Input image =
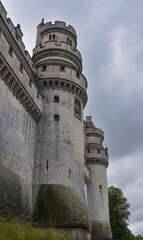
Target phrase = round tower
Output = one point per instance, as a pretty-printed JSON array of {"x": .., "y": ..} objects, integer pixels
[
  {"x": 59, "y": 196},
  {"x": 97, "y": 160}
]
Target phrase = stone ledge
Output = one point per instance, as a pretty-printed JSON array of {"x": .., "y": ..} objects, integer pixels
[
  {"x": 63, "y": 84},
  {"x": 18, "y": 90}
]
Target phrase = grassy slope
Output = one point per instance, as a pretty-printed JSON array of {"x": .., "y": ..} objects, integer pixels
[{"x": 25, "y": 231}]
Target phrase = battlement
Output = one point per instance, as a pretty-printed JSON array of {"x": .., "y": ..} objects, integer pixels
[
  {"x": 92, "y": 130},
  {"x": 57, "y": 24},
  {"x": 16, "y": 34}
]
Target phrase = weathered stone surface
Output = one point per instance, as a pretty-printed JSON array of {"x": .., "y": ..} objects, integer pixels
[{"x": 60, "y": 206}]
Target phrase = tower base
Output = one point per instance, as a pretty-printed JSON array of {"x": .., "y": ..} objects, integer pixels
[
  {"x": 60, "y": 206},
  {"x": 100, "y": 230}
]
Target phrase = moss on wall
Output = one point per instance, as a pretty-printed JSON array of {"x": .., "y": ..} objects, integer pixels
[
  {"x": 100, "y": 231},
  {"x": 14, "y": 202},
  {"x": 60, "y": 206}
]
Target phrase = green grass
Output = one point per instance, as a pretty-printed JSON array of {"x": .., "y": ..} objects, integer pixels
[{"x": 12, "y": 230}]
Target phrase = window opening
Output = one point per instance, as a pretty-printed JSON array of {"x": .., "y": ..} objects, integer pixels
[
  {"x": 11, "y": 51},
  {"x": 44, "y": 67},
  {"x": 69, "y": 173},
  {"x": 78, "y": 75},
  {"x": 21, "y": 68},
  {"x": 77, "y": 109},
  {"x": 38, "y": 94},
  {"x": 50, "y": 37},
  {"x": 53, "y": 36},
  {"x": 98, "y": 150},
  {"x": 100, "y": 186},
  {"x": 47, "y": 164},
  {"x": 62, "y": 68},
  {"x": 56, "y": 117},
  {"x": 56, "y": 98},
  {"x": 30, "y": 82},
  {"x": 45, "y": 83},
  {"x": 88, "y": 150}
]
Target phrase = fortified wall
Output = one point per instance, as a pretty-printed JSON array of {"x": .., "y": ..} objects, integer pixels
[
  {"x": 53, "y": 165},
  {"x": 20, "y": 109}
]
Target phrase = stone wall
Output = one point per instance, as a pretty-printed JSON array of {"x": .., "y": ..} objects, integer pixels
[{"x": 17, "y": 139}]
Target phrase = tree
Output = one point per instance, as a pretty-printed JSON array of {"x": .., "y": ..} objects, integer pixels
[{"x": 119, "y": 214}]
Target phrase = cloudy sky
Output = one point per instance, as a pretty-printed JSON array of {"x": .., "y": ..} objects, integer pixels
[{"x": 110, "y": 39}]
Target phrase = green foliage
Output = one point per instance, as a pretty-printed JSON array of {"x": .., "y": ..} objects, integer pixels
[
  {"x": 10, "y": 230},
  {"x": 119, "y": 214},
  {"x": 139, "y": 237}
]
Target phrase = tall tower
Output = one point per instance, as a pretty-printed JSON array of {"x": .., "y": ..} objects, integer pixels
[
  {"x": 97, "y": 160},
  {"x": 59, "y": 196}
]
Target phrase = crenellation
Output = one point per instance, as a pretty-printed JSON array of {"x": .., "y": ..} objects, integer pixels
[
  {"x": 16, "y": 31},
  {"x": 59, "y": 24}
]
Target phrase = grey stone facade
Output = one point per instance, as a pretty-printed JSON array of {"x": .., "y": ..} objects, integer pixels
[{"x": 52, "y": 162}]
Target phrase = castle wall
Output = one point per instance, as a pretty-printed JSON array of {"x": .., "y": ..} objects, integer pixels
[
  {"x": 20, "y": 109},
  {"x": 17, "y": 139}
]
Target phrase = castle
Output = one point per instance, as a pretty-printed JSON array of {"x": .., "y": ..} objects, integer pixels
[{"x": 52, "y": 162}]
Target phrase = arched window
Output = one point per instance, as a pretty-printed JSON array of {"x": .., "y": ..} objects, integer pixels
[{"x": 77, "y": 108}]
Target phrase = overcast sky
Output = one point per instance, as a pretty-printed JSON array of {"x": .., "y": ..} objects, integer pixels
[{"x": 110, "y": 39}]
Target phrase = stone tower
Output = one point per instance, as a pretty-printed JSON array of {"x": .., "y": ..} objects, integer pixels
[
  {"x": 59, "y": 195},
  {"x": 97, "y": 160}
]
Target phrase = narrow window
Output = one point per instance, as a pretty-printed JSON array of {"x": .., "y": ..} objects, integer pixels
[
  {"x": 70, "y": 42},
  {"x": 88, "y": 150},
  {"x": 21, "y": 68},
  {"x": 11, "y": 51},
  {"x": 53, "y": 36},
  {"x": 67, "y": 40},
  {"x": 98, "y": 150},
  {"x": 69, "y": 173},
  {"x": 38, "y": 94},
  {"x": 62, "y": 68},
  {"x": 56, "y": 117},
  {"x": 30, "y": 82},
  {"x": 77, "y": 108},
  {"x": 44, "y": 67},
  {"x": 100, "y": 186},
  {"x": 47, "y": 164},
  {"x": 50, "y": 37},
  {"x": 78, "y": 75},
  {"x": 56, "y": 98},
  {"x": 45, "y": 83}
]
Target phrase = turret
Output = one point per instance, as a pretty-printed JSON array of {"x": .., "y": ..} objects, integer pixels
[
  {"x": 97, "y": 160},
  {"x": 59, "y": 195}
]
